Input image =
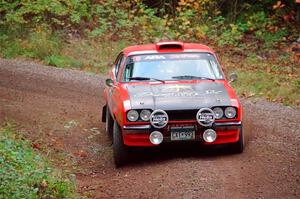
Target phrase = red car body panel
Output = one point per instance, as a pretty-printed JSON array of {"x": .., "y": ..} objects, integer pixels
[{"x": 118, "y": 100}]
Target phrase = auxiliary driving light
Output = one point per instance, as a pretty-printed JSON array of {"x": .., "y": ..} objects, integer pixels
[
  {"x": 209, "y": 135},
  {"x": 156, "y": 137}
]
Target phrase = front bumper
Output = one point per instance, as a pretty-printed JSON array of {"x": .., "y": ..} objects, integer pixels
[{"x": 138, "y": 135}]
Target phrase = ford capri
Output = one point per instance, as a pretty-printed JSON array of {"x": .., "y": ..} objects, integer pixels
[{"x": 170, "y": 92}]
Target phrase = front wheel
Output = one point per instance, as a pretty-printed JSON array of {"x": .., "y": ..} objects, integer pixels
[
  {"x": 238, "y": 147},
  {"x": 120, "y": 151}
]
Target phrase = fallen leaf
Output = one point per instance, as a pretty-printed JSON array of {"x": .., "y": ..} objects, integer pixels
[{"x": 36, "y": 146}]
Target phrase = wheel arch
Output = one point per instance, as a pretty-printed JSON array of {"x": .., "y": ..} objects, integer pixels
[{"x": 104, "y": 109}]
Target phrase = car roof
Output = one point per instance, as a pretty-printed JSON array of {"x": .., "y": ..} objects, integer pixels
[{"x": 165, "y": 47}]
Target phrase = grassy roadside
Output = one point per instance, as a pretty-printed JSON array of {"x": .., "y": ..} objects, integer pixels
[
  {"x": 274, "y": 79},
  {"x": 280, "y": 88},
  {"x": 24, "y": 173},
  {"x": 95, "y": 56}
]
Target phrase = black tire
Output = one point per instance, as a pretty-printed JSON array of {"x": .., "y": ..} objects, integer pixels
[
  {"x": 120, "y": 151},
  {"x": 109, "y": 123},
  {"x": 238, "y": 147}
]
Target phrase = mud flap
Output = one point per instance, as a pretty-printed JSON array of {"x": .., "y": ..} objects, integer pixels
[{"x": 104, "y": 113}]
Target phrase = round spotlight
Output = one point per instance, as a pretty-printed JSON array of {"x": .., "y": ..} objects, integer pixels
[
  {"x": 218, "y": 112},
  {"x": 132, "y": 115},
  {"x": 209, "y": 135},
  {"x": 159, "y": 118},
  {"x": 205, "y": 117},
  {"x": 145, "y": 115},
  {"x": 230, "y": 112},
  {"x": 156, "y": 137}
]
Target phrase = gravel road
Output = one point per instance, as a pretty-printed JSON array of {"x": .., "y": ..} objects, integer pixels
[{"x": 61, "y": 109}]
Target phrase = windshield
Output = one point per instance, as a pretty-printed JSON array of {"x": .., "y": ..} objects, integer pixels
[{"x": 171, "y": 66}]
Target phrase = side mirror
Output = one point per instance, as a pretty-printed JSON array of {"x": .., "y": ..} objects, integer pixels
[
  {"x": 109, "y": 82},
  {"x": 232, "y": 77}
]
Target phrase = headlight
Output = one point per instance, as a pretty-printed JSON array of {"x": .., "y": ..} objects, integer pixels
[
  {"x": 218, "y": 112},
  {"x": 132, "y": 115},
  {"x": 230, "y": 112},
  {"x": 145, "y": 115}
]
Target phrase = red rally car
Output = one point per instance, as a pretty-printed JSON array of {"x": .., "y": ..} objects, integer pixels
[{"x": 170, "y": 92}]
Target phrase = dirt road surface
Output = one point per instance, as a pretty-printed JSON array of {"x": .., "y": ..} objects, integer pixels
[{"x": 60, "y": 109}]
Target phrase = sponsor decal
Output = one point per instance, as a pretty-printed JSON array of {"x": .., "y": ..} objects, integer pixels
[
  {"x": 184, "y": 56},
  {"x": 176, "y": 93},
  {"x": 154, "y": 57}
]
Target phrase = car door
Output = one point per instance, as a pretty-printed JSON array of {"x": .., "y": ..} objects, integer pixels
[{"x": 113, "y": 91}]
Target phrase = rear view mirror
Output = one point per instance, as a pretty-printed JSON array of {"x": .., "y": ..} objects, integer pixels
[
  {"x": 109, "y": 82},
  {"x": 232, "y": 77}
]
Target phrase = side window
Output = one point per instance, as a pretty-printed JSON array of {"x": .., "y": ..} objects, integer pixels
[{"x": 118, "y": 64}]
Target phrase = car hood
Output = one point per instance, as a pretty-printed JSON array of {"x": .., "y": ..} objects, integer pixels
[{"x": 178, "y": 96}]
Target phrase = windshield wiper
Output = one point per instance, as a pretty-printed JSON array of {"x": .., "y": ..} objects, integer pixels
[
  {"x": 145, "y": 78},
  {"x": 191, "y": 77}
]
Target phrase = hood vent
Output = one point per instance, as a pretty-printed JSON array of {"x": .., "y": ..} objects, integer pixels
[{"x": 170, "y": 45}]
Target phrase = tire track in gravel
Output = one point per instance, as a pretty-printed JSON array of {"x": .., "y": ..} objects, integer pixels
[{"x": 61, "y": 109}]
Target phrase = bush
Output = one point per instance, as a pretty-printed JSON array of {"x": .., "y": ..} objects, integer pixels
[
  {"x": 136, "y": 21},
  {"x": 271, "y": 39},
  {"x": 37, "y": 44},
  {"x": 42, "y": 43},
  {"x": 117, "y": 22},
  {"x": 231, "y": 36},
  {"x": 10, "y": 48},
  {"x": 25, "y": 174},
  {"x": 110, "y": 19},
  {"x": 56, "y": 13},
  {"x": 224, "y": 34}
]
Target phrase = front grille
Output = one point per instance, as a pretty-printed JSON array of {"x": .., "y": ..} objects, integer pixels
[{"x": 182, "y": 114}]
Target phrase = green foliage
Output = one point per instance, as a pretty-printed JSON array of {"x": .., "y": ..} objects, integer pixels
[
  {"x": 271, "y": 39},
  {"x": 136, "y": 21},
  {"x": 10, "y": 48},
  {"x": 114, "y": 21},
  {"x": 150, "y": 21},
  {"x": 259, "y": 21},
  {"x": 62, "y": 61},
  {"x": 37, "y": 44},
  {"x": 42, "y": 43},
  {"x": 149, "y": 26},
  {"x": 231, "y": 36},
  {"x": 56, "y": 13},
  {"x": 265, "y": 29},
  {"x": 296, "y": 83},
  {"x": 109, "y": 18},
  {"x": 225, "y": 34},
  {"x": 25, "y": 174}
]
